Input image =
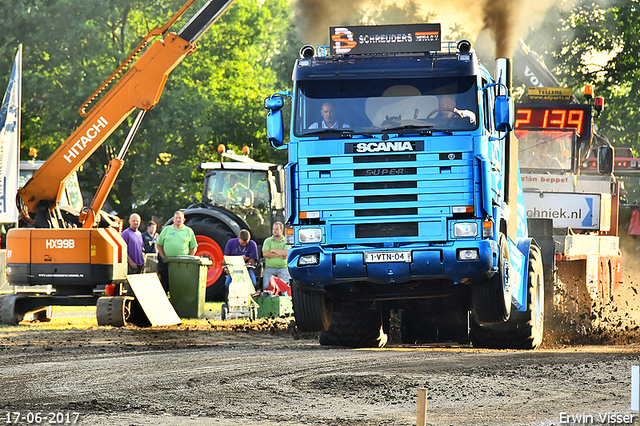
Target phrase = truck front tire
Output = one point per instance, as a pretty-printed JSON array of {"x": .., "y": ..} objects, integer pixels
[
  {"x": 491, "y": 299},
  {"x": 312, "y": 310},
  {"x": 523, "y": 330},
  {"x": 355, "y": 326}
]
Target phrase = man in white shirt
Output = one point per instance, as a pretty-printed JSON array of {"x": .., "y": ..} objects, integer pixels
[{"x": 329, "y": 118}]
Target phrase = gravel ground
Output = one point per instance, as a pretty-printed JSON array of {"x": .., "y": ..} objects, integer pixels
[{"x": 267, "y": 373}]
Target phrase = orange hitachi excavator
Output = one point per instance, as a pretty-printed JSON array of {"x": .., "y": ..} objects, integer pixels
[{"x": 74, "y": 261}]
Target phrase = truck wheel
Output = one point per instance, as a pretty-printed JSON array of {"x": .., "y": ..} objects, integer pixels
[
  {"x": 212, "y": 237},
  {"x": 523, "y": 330},
  {"x": 355, "y": 326},
  {"x": 491, "y": 299},
  {"x": 312, "y": 310}
]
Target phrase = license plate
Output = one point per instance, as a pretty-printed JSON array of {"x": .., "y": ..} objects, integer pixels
[{"x": 387, "y": 256}]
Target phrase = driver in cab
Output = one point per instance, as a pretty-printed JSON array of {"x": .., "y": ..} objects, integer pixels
[
  {"x": 448, "y": 109},
  {"x": 233, "y": 190}
]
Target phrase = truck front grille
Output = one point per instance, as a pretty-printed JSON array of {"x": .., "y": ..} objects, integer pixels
[
  {"x": 386, "y": 198},
  {"x": 381, "y": 230},
  {"x": 386, "y": 212}
]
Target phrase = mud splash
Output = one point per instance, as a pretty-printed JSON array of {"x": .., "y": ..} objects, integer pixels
[{"x": 612, "y": 322}]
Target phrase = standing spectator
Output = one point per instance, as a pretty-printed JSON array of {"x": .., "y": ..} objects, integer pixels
[
  {"x": 150, "y": 238},
  {"x": 133, "y": 237},
  {"x": 175, "y": 240},
  {"x": 247, "y": 248},
  {"x": 275, "y": 250},
  {"x": 178, "y": 239}
]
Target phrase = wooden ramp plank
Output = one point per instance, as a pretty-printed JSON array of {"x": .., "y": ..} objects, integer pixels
[{"x": 153, "y": 299}]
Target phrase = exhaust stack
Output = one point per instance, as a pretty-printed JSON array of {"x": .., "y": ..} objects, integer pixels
[
  {"x": 504, "y": 73},
  {"x": 504, "y": 76}
]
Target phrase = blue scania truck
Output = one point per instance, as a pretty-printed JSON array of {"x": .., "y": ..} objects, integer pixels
[{"x": 404, "y": 196}]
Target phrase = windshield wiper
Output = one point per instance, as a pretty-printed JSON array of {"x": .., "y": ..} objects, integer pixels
[
  {"x": 342, "y": 132},
  {"x": 366, "y": 134},
  {"x": 424, "y": 130}
]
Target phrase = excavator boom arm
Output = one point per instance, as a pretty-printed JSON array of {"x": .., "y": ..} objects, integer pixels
[{"x": 140, "y": 87}]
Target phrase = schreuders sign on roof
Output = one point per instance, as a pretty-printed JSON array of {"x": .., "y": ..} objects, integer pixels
[{"x": 411, "y": 38}]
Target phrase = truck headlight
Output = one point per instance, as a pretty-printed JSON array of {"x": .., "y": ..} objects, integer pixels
[
  {"x": 309, "y": 259},
  {"x": 465, "y": 229},
  {"x": 309, "y": 235},
  {"x": 468, "y": 254}
]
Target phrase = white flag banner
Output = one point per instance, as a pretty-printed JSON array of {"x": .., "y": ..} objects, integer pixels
[{"x": 10, "y": 143}]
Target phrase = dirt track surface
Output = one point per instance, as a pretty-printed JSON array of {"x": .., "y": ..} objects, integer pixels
[{"x": 265, "y": 374}]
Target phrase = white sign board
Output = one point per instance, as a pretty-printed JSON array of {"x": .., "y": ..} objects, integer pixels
[{"x": 577, "y": 211}]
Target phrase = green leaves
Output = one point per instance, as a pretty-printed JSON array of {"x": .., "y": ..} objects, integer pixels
[
  {"x": 609, "y": 30},
  {"x": 214, "y": 96}
]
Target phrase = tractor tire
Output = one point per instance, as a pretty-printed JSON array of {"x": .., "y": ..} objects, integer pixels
[
  {"x": 212, "y": 238},
  {"x": 491, "y": 299},
  {"x": 355, "y": 326},
  {"x": 312, "y": 310},
  {"x": 523, "y": 330}
]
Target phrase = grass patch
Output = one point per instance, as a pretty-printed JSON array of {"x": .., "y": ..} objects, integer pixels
[{"x": 84, "y": 317}]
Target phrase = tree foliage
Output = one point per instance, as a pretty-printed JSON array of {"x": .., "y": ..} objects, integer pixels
[{"x": 213, "y": 97}]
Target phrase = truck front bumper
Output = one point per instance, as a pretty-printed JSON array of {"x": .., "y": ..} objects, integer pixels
[{"x": 319, "y": 266}]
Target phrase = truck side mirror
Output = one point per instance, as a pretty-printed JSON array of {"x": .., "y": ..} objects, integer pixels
[
  {"x": 275, "y": 127},
  {"x": 504, "y": 113},
  {"x": 274, "y": 102},
  {"x": 605, "y": 160}
]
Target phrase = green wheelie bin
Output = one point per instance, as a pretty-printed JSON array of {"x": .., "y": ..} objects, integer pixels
[{"x": 187, "y": 284}]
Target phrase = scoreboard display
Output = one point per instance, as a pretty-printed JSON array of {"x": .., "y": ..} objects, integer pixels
[{"x": 562, "y": 117}]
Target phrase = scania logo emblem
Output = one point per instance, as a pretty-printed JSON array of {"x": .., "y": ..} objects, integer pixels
[{"x": 383, "y": 146}]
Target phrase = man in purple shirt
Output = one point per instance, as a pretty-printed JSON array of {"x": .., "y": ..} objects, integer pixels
[
  {"x": 133, "y": 238},
  {"x": 248, "y": 249}
]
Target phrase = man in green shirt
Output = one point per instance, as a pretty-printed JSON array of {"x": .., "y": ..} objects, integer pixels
[
  {"x": 175, "y": 240},
  {"x": 275, "y": 250}
]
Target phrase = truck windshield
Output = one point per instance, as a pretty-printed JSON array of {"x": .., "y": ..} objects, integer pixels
[
  {"x": 385, "y": 105},
  {"x": 545, "y": 151}
]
